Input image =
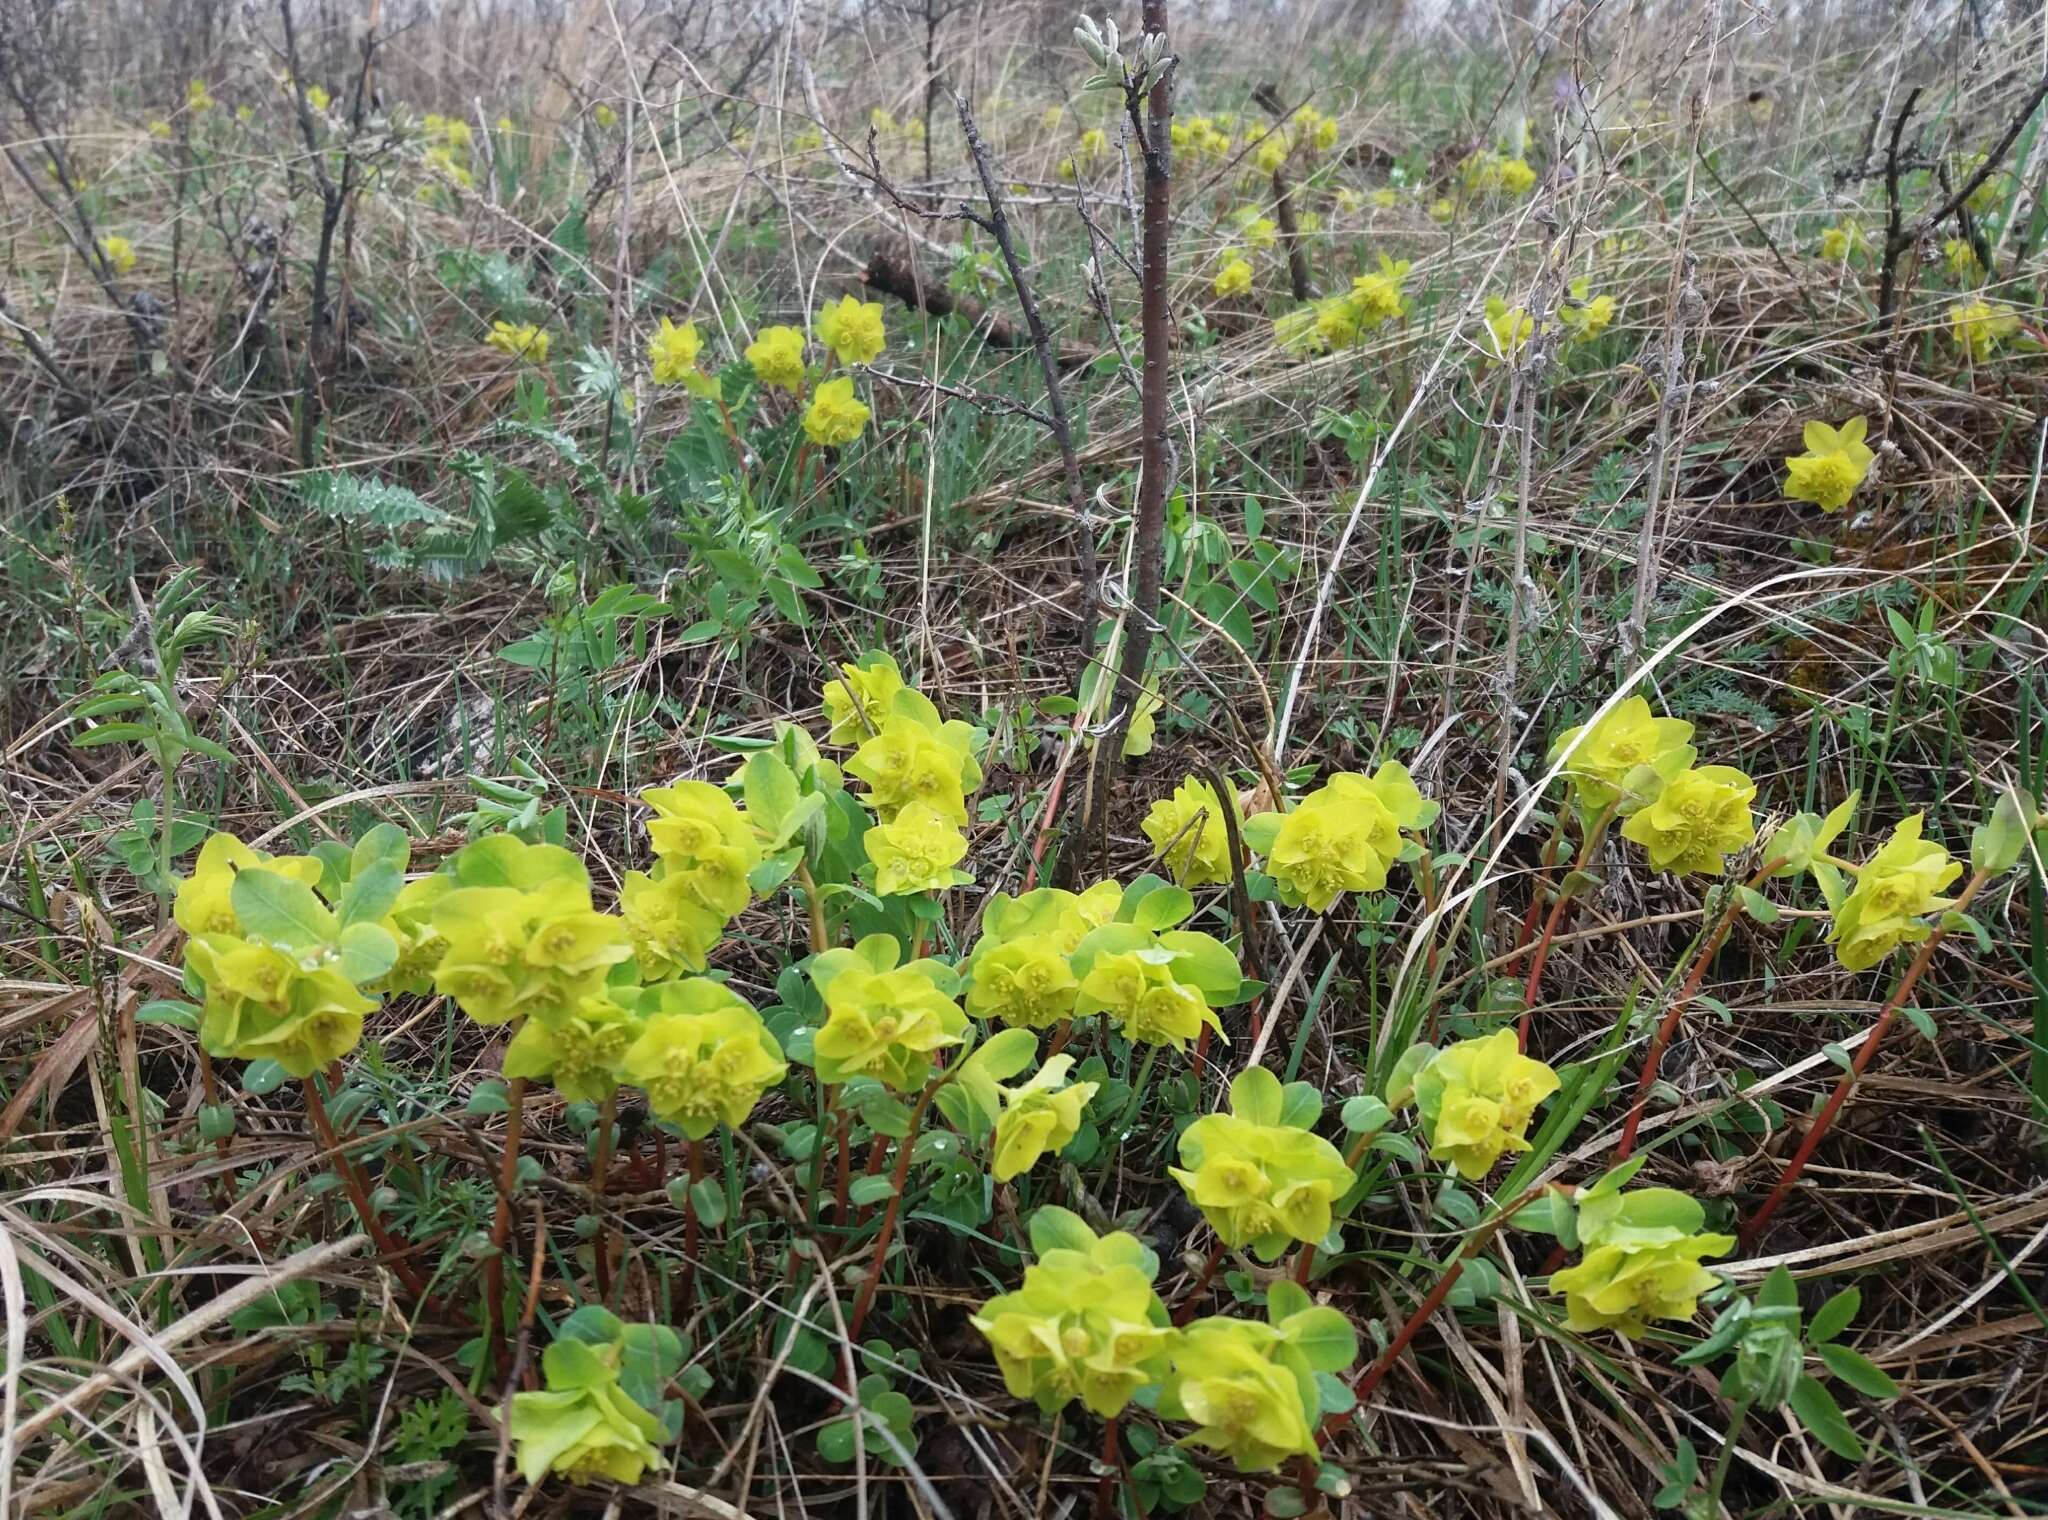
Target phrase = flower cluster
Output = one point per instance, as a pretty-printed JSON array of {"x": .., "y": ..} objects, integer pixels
[
  {"x": 1833, "y": 466},
  {"x": 522, "y": 939},
  {"x": 1486, "y": 172},
  {"x": 1259, "y": 1174},
  {"x": 883, "y": 1020},
  {"x": 1641, "y": 1260},
  {"x": 1344, "y": 320},
  {"x": 1896, "y": 889},
  {"x": 1476, "y": 1099},
  {"x": 1343, "y": 837},
  {"x": 521, "y": 340},
  {"x": 705, "y": 849},
  {"x": 584, "y": 1424},
  {"x": 1979, "y": 327}
]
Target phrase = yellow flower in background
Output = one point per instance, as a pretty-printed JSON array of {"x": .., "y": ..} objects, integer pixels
[
  {"x": 118, "y": 252},
  {"x": 1260, "y": 232},
  {"x": 1840, "y": 241},
  {"x": 1960, "y": 255},
  {"x": 197, "y": 97},
  {"x": 1509, "y": 327},
  {"x": 318, "y": 98},
  {"x": 1344, "y": 837},
  {"x": 1476, "y": 1099},
  {"x": 777, "y": 354},
  {"x": 1978, "y": 327},
  {"x": 1272, "y": 154},
  {"x": 1092, "y": 142},
  {"x": 1441, "y": 209},
  {"x": 1379, "y": 296},
  {"x": 915, "y": 852},
  {"x": 522, "y": 340},
  {"x": 1386, "y": 198},
  {"x": 672, "y": 352},
  {"x": 835, "y": 416},
  {"x": 1606, "y": 752},
  {"x": 1698, "y": 819},
  {"x": 1298, "y": 332},
  {"x": 857, "y": 698},
  {"x": 1188, "y": 831},
  {"x": 1516, "y": 177},
  {"x": 1833, "y": 466},
  {"x": 883, "y": 122},
  {"x": 1585, "y": 316},
  {"x": 605, "y": 116},
  {"x": 1050, "y": 118},
  {"x": 506, "y": 124},
  {"x": 1234, "y": 279},
  {"x": 1041, "y": 1116},
  {"x": 451, "y": 131},
  {"x": 160, "y": 129},
  {"x": 1896, "y": 890},
  {"x": 852, "y": 330}
]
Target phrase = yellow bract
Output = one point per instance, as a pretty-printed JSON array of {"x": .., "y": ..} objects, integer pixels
[
  {"x": 583, "y": 1425},
  {"x": 1344, "y": 836},
  {"x": 204, "y": 904},
  {"x": 1586, "y": 316},
  {"x": 1838, "y": 242},
  {"x": 580, "y": 1052},
  {"x": 835, "y": 416},
  {"x": 915, "y": 758},
  {"x": 857, "y": 698},
  {"x": 885, "y": 1024},
  {"x": 1698, "y": 819},
  {"x": 1897, "y": 887},
  {"x": 1039, "y": 1116},
  {"x": 701, "y": 1054},
  {"x": 522, "y": 340},
  {"x": 916, "y": 851},
  {"x": 1144, "y": 1002},
  {"x": 1188, "y": 831},
  {"x": 1234, "y": 279},
  {"x": 702, "y": 838},
  {"x": 262, "y": 1003},
  {"x": 852, "y": 330},
  {"x": 1833, "y": 466},
  {"x": 1641, "y": 1262},
  {"x": 516, "y": 953},
  {"x": 1259, "y": 1181},
  {"x": 1508, "y": 327},
  {"x": 1485, "y": 172},
  {"x": 1243, "y": 1402},
  {"x": 1476, "y": 1099},
  {"x": 1978, "y": 327},
  {"x": 197, "y": 97},
  {"x": 1086, "y": 1324},
  {"x": 777, "y": 354},
  {"x": 1960, "y": 255},
  {"x": 1598, "y": 758},
  {"x": 1024, "y": 981},
  {"x": 118, "y": 252},
  {"x": 672, "y": 352}
]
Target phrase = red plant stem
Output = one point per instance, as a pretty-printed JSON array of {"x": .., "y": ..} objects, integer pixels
[
  {"x": 843, "y": 1139},
  {"x": 501, "y": 1221},
  {"x": 689, "y": 1231},
  {"x": 359, "y": 1193},
  {"x": 600, "y": 1169},
  {"x": 1840, "y": 1095},
  {"x": 899, "y": 1181},
  {"x": 1370, "y": 1379},
  {"x": 1587, "y": 850},
  {"x": 1668, "y": 1027},
  {"x": 1186, "y": 1311},
  {"x": 1112, "y": 1461},
  {"x": 1064, "y": 1031},
  {"x": 1050, "y": 815},
  {"x": 1304, "y": 1263}
]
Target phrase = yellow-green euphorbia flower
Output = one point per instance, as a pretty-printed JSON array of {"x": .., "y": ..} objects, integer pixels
[
  {"x": 672, "y": 352},
  {"x": 835, "y": 416},
  {"x": 1586, "y": 316},
  {"x": 1343, "y": 837},
  {"x": 522, "y": 340},
  {"x": 1978, "y": 327},
  {"x": 534, "y": 954},
  {"x": 910, "y": 760},
  {"x": 699, "y": 834},
  {"x": 1378, "y": 297},
  {"x": 777, "y": 354},
  {"x": 1838, "y": 242},
  {"x": 1143, "y": 1001},
  {"x": 671, "y": 928},
  {"x": 702, "y": 1055},
  {"x": 262, "y": 1004},
  {"x": 579, "y": 1052},
  {"x": 1641, "y": 1261},
  {"x": 1700, "y": 818},
  {"x": 1233, "y": 279},
  {"x": 916, "y": 851},
  {"x": 583, "y": 1425},
  {"x": 1243, "y": 1402},
  {"x": 1086, "y": 1324},
  {"x": 858, "y": 697},
  {"x": 1960, "y": 255},
  {"x": 1895, "y": 891},
  {"x": 853, "y": 331},
  {"x": 1188, "y": 831},
  {"x": 885, "y": 1024},
  {"x": 1476, "y": 1099},
  {"x": 118, "y": 252},
  {"x": 204, "y": 904},
  {"x": 1038, "y": 1116},
  {"x": 1026, "y": 981},
  {"x": 1833, "y": 466},
  {"x": 1603, "y": 754},
  {"x": 410, "y": 924},
  {"x": 1258, "y": 1180},
  {"x": 1507, "y": 328}
]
